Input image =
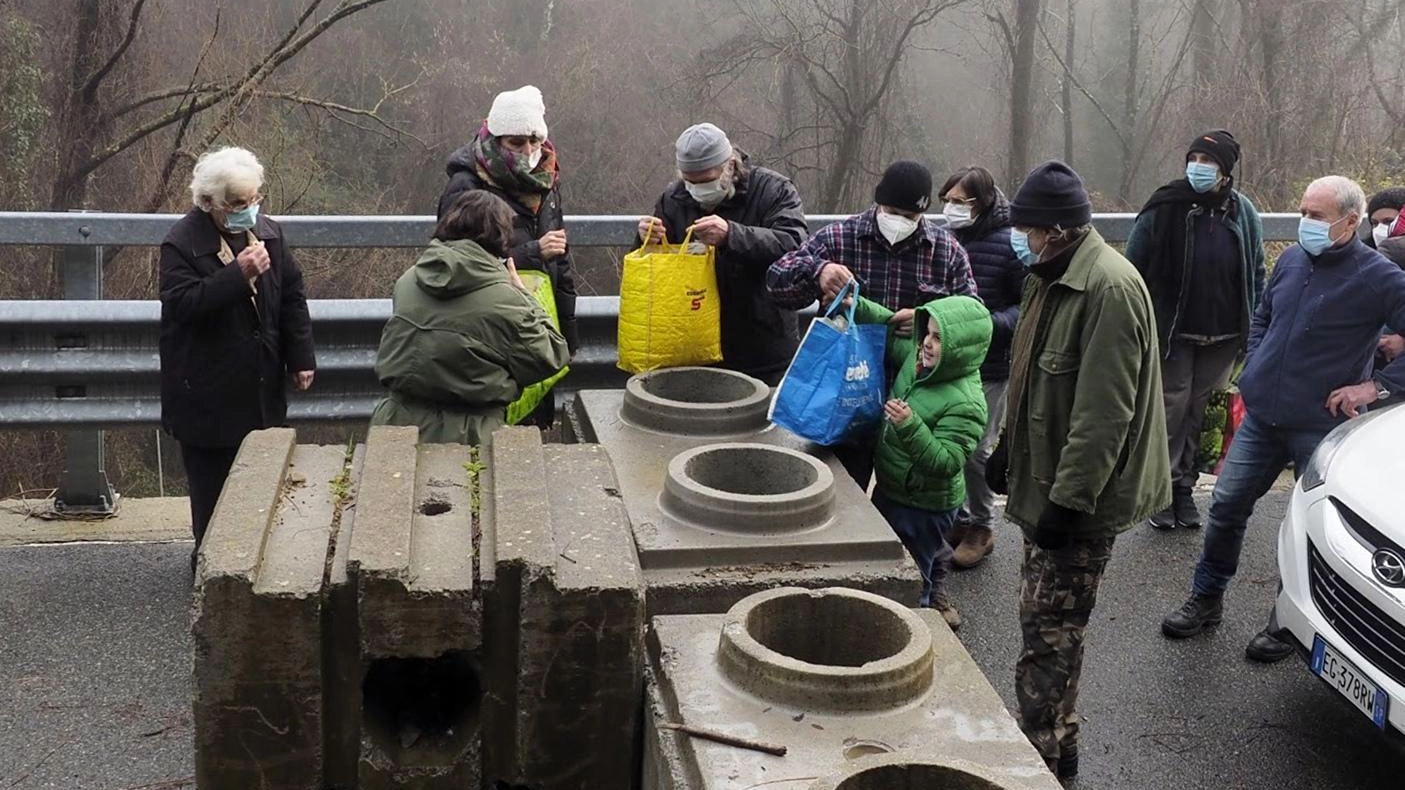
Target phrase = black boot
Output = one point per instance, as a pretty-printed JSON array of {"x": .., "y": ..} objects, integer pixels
[
  {"x": 1197, "y": 614},
  {"x": 1068, "y": 764},
  {"x": 1267, "y": 648},
  {"x": 1183, "y": 507}
]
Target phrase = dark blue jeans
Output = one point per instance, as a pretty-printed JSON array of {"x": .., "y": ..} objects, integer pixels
[
  {"x": 1257, "y": 456},
  {"x": 924, "y": 533}
]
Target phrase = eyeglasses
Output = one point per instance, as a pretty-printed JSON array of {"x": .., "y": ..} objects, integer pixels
[
  {"x": 240, "y": 205},
  {"x": 959, "y": 202}
]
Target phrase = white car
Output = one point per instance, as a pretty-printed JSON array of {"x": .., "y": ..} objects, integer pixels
[{"x": 1341, "y": 555}]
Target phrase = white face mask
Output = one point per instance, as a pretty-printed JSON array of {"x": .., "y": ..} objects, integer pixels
[
  {"x": 958, "y": 215},
  {"x": 534, "y": 158},
  {"x": 895, "y": 227},
  {"x": 1381, "y": 232},
  {"x": 710, "y": 193}
]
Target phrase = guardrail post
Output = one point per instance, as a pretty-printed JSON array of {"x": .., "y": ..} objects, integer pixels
[{"x": 84, "y": 487}]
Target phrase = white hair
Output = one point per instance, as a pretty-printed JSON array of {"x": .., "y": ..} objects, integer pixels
[
  {"x": 219, "y": 172},
  {"x": 1350, "y": 197}
]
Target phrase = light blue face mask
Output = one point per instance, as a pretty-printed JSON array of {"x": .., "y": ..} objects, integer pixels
[
  {"x": 243, "y": 219},
  {"x": 1019, "y": 242},
  {"x": 1202, "y": 177},
  {"x": 1315, "y": 235}
]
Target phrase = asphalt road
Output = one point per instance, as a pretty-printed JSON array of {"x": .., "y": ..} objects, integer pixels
[{"x": 95, "y": 674}]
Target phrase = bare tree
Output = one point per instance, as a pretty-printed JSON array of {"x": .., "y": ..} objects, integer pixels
[
  {"x": 93, "y": 128},
  {"x": 839, "y": 59},
  {"x": 1019, "y": 39}
]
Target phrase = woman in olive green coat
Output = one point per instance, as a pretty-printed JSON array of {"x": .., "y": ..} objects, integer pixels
[{"x": 464, "y": 339}]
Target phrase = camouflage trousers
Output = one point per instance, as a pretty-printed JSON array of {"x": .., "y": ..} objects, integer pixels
[{"x": 1057, "y": 592}]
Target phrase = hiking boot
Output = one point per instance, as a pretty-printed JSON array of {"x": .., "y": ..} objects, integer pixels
[
  {"x": 977, "y": 544},
  {"x": 1267, "y": 648},
  {"x": 1163, "y": 520},
  {"x": 943, "y": 604},
  {"x": 1198, "y": 613},
  {"x": 1183, "y": 506}
]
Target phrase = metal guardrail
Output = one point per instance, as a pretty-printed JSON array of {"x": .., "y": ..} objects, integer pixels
[{"x": 84, "y": 363}]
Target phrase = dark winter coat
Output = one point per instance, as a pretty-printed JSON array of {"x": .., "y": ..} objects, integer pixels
[
  {"x": 1394, "y": 249},
  {"x": 999, "y": 281},
  {"x": 766, "y": 221},
  {"x": 527, "y": 230},
  {"x": 1161, "y": 246},
  {"x": 1316, "y": 331},
  {"x": 227, "y": 352}
]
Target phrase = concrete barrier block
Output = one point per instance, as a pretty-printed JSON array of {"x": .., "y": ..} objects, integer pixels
[
  {"x": 862, "y": 693},
  {"x": 564, "y": 614},
  {"x": 419, "y": 628},
  {"x": 723, "y": 504},
  {"x": 259, "y": 719}
]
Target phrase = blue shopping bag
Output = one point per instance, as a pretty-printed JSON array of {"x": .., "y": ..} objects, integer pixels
[{"x": 833, "y": 390}]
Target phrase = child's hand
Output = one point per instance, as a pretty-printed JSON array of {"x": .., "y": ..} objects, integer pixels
[{"x": 897, "y": 411}]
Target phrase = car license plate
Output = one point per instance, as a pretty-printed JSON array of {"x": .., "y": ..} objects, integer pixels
[{"x": 1349, "y": 681}]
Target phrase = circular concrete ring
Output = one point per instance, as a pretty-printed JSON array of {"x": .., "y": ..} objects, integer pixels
[
  {"x": 748, "y": 488},
  {"x": 836, "y": 649},
  {"x": 696, "y": 402},
  {"x": 892, "y": 772}
]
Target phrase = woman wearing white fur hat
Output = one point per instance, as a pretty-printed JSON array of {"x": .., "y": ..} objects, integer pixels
[{"x": 512, "y": 158}]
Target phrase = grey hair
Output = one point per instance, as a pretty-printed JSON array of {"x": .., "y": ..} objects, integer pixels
[
  {"x": 221, "y": 171},
  {"x": 1067, "y": 235},
  {"x": 1349, "y": 194}
]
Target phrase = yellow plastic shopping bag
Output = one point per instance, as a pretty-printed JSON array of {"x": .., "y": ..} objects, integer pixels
[
  {"x": 670, "y": 315},
  {"x": 539, "y": 286}
]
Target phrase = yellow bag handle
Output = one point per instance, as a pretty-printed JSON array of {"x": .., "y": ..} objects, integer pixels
[{"x": 649, "y": 235}]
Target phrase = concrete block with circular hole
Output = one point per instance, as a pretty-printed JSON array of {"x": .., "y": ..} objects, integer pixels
[
  {"x": 724, "y": 504},
  {"x": 564, "y": 618},
  {"x": 257, "y": 633},
  {"x": 418, "y": 624},
  {"x": 864, "y": 694}
]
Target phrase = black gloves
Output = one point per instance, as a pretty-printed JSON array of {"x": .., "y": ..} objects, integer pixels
[
  {"x": 1055, "y": 525},
  {"x": 997, "y": 468}
]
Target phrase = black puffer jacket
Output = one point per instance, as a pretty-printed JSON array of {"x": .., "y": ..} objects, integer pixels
[
  {"x": 527, "y": 228},
  {"x": 999, "y": 281},
  {"x": 766, "y": 221}
]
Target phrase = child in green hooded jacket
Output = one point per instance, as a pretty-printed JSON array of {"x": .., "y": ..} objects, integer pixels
[{"x": 933, "y": 419}]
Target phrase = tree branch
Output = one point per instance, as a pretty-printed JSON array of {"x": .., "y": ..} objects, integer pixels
[
  {"x": 90, "y": 85},
  {"x": 1077, "y": 83}
]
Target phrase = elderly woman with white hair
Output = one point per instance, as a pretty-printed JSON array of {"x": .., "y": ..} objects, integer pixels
[{"x": 234, "y": 324}]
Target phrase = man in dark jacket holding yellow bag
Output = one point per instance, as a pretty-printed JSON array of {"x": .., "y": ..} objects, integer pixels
[
  {"x": 1084, "y": 449},
  {"x": 752, "y": 216}
]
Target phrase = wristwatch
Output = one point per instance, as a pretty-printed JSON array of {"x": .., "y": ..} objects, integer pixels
[{"x": 1382, "y": 392}]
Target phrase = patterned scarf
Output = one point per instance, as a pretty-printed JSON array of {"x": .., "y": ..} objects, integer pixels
[{"x": 508, "y": 171}]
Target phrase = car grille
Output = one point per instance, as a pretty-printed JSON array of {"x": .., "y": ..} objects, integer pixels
[
  {"x": 1379, "y": 638},
  {"x": 1361, "y": 529}
]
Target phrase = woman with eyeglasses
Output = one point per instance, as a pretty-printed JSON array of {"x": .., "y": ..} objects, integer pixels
[
  {"x": 235, "y": 330},
  {"x": 512, "y": 158},
  {"x": 979, "y": 216}
]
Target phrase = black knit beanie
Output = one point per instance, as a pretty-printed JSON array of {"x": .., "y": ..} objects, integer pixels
[
  {"x": 1219, "y": 145},
  {"x": 905, "y": 185},
  {"x": 1052, "y": 195},
  {"x": 1390, "y": 197}
]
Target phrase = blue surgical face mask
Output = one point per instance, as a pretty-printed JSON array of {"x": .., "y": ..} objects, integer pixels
[
  {"x": 243, "y": 219},
  {"x": 1019, "y": 242},
  {"x": 1202, "y": 177},
  {"x": 1315, "y": 235}
]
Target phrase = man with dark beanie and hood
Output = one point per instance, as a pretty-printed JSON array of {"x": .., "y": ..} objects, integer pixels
[
  {"x": 900, "y": 259},
  {"x": 1082, "y": 456},
  {"x": 1198, "y": 243}
]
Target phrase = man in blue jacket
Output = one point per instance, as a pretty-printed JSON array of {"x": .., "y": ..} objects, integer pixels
[{"x": 1311, "y": 345}]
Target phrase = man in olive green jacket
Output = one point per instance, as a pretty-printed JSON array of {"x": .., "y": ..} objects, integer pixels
[{"x": 1084, "y": 453}]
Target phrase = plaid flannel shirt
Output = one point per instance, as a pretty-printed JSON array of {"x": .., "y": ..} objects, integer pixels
[{"x": 927, "y": 265}]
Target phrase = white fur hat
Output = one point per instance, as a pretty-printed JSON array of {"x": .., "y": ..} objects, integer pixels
[{"x": 520, "y": 112}]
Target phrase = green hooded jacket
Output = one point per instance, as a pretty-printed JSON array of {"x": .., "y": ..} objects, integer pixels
[
  {"x": 920, "y": 463},
  {"x": 462, "y": 343}
]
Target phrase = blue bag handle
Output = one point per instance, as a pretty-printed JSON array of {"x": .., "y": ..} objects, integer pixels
[{"x": 851, "y": 285}]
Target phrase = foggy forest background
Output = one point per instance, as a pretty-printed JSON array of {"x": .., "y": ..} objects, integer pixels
[{"x": 354, "y": 106}]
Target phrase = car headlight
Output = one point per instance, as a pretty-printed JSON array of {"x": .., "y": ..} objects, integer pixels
[{"x": 1315, "y": 475}]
